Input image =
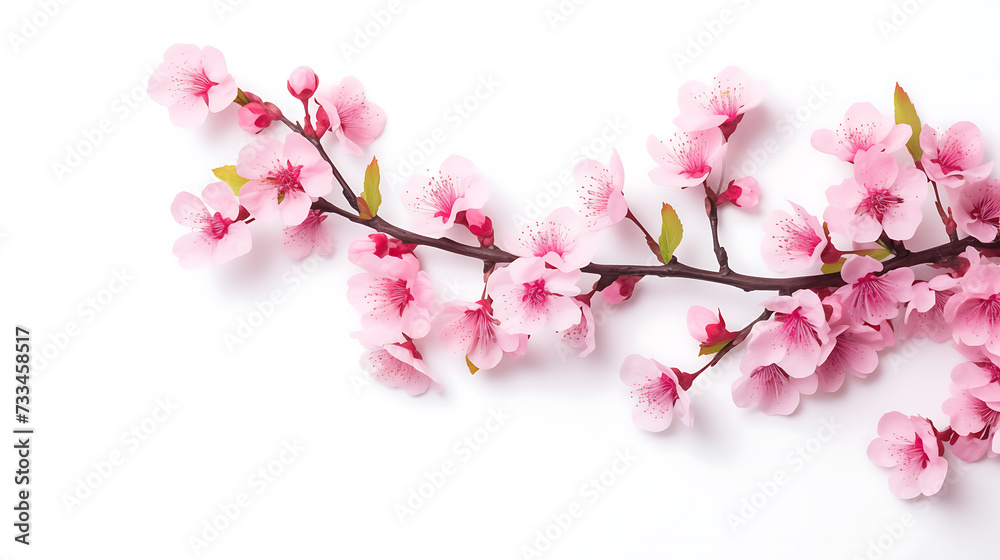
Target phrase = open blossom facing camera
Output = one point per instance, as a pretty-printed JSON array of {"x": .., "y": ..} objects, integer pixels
[
  {"x": 657, "y": 393},
  {"x": 909, "y": 445},
  {"x": 977, "y": 210},
  {"x": 561, "y": 240},
  {"x": 354, "y": 120},
  {"x": 956, "y": 157},
  {"x": 527, "y": 296},
  {"x": 470, "y": 329},
  {"x": 686, "y": 159},
  {"x": 599, "y": 189},
  {"x": 879, "y": 197},
  {"x": 793, "y": 243},
  {"x": 217, "y": 236},
  {"x": 864, "y": 127},
  {"x": 436, "y": 201},
  {"x": 192, "y": 82},
  {"x": 870, "y": 298},
  {"x": 719, "y": 104},
  {"x": 830, "y": 322},
  {"x": 282, "y": 178}
]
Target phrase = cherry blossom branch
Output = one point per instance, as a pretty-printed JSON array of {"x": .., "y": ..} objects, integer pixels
[
  {"x": 712, "y": 208},
  {"x": 352, "y": 198},
  {"x": 650, "y": 240}
]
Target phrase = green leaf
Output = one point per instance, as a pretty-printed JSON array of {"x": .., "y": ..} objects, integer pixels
[
  {"x": 906, "y": 113},
  {"x": 472, "y": 367},
  {"x": 670, "y": 233},
  {"x": 709, "y": 350},
  {"x": 833, "y": 268},
  {"x": 877, "y": 254},
  {"x": 371, "y": 194},
  {"x": 227, "y": 174}
]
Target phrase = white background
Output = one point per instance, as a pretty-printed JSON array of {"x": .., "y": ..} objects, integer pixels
[{"x": 297, "y": 376}]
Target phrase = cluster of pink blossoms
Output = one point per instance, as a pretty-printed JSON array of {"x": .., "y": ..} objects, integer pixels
[{"x": 807, "y": 340}]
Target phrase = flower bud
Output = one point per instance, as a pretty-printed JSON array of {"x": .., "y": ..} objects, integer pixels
[{"x": 302, "y": 83}]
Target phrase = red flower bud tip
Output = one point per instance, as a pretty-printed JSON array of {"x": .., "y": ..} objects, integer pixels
[{"x": 254, "y": 117}]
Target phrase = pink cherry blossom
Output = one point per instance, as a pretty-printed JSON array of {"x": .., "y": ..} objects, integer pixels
[
  {"x": 282, "y": 178},
  {"x": 355, "y": 121},
  {"x": 217, "y": 237},
  {"x": 707, "y": 326},
  {"x": 743, "y": 193},
  {"x": 909, "y": 445},
  {"x": 854, "y": 348},
  {"x": 977, "y": 210},
  {"x": 527, "y": 296},
  {"x": 620, "y": 290},
  {"x": 686, "y": 159},
  {"x": 956, "y": 158},
  {"x": 771, "y": 389},
  {"x": 864, "y": 127},
  {"x": 719, "y": 104},
  {"x": 560, "y": 239},
  {"x": 470, "y": 329},
  {"x": 793, "y": 243},
  {"x": 974, "y": 312},
  {"x": 973, "y": 417},
  {"x": 880, "y": 196},
  {"x": 302, "y": 83},
  {"x": 392, "y": 304},
  {"x": 870, "y": 298},
  {"x": 657, "y": 392},
  {"x": 382, "y": 255},
  {"x": 581, "y": 336},
  {"x": 312, "y": 234},
  {"x": 924, "y": 315},
  {"x": 435, "y": 202},
  {"x": 599, "y": 189},
  {"x": 400, "y": 365},
  {"x": 796, "y": 338},
  {"x": 980, "y": 375},
  {"x": 192, "y": 82}
]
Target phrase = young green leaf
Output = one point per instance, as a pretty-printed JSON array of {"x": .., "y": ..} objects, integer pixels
[
  {"x": 906, "y": 113},
  {"x": 371, "y": 194},
  {"x": 670, "y": 233},
  {"x": 472, "y": 367},
  {"x": 227, "y": 174},
  {"x": 714, "y": 349}
]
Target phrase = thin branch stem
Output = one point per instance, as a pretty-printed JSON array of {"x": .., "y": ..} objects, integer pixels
[
  {"x": 651, "y": 242},
  {"x": 712, "y": 207}
]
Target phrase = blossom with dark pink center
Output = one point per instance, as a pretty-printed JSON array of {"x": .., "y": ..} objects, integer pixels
[
  {"x": 719, "y": 104},
  {"x": 470, "y": 329},
  {"x": 560, "y": 239},
  {"x": 924, "y": 315},
  {"x": 282, "y": 178},
  {"x": 355, "y": 121},
  {"x": 796, "y": 338},
  {"x": 192, "y": 82},
  {"x": 217, "y": 236},
  {"x": 687, "y": 158},
  {"x": 879, "y": 197},
  {"x": 657, "y": 392},
  {"x": 869, "y": 298},
  {"x": 400, "y": 365},
  {"x": 393, "y": 303},
  {"x": 956, "y": 158},
  {"x": 972, "y": 417},
  {"x": 909, "y": 445},
  {"x": 863, "y": 128},
  {"x": 599, "y": 189},
  {"x": 312, "y": 234},
  {"x": 435, "y": 202},
  {"x": 771, "y": 389},
  {"x": 793, "y": 243},
  {"x": 527, "y": 296},
  {"x": 977, "y": 209},
  {"x": 974, "y": 312}
]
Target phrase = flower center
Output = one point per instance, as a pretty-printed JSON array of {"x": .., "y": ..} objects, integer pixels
[
  {"x": 877, "y": 203},
  {"x": 216, "y": 226},
  {"x": 399, "y": 295},
  {"x": 796, "y": 330},
  {"x": 770, "y": 380},
  {"x": 798, "y": 239},
  {"x": 914, "y": 453},
  {"x": 659, "y": 394},
  {"x": 197, "y": 83},
  {"x": 534, "y": 293},
  {"x": 287, "y": 178}
]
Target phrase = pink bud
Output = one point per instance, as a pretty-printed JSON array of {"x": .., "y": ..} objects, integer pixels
[
  {"x": 322, "y": 122},
  {"x": 620, "y": 290},
  {"x": 479, "y": 224},
  {"x": 254, "y": 117},
  {"x": 707, "y": 326},
  {"x": 302, "y": 83},
  {"x": 744, "y": 193}
]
